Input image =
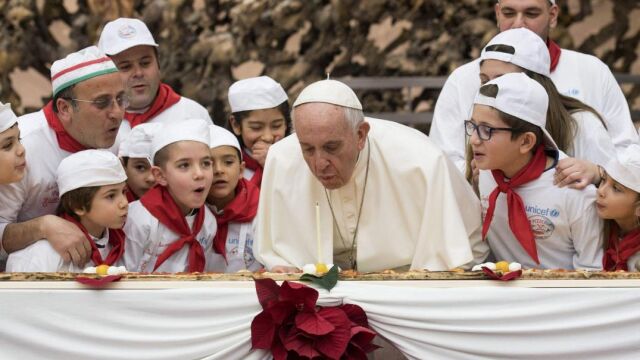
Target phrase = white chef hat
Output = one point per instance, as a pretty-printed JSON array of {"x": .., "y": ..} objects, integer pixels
[
  {"x": 138, "y": 143},
  {"x": 331, "y": 92},
  {"x": 89, "y": 168},
  {"x": 256, "y": 93},
  {"x": 7, "y": 117},
  {"x": 220, "y": 136},
  {"x": 79, "y": 66},
  {"x": 625, "y": 168},
  {"x": 520, "y": 96},
  {"x": 186, "y": 130},
  {"x": 124, "y": 33},
  {"x": 520, "y": 47}
]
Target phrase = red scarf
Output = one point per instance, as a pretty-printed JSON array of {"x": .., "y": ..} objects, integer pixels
[
  {"x": 619, "y": 251},
  {"x": 116, "y": 240},
  {"x": 554, "y": 53},
  {"x": 165, "y": 99},
  {"x": 161, "y": 205},
  {"x": 65, "y": 141},
  {"x": 131, "y": 197},
  {"x": 242, "y": 209},
  {"x": 518, "y": 221},
  {"x": 252, "y": 164}
]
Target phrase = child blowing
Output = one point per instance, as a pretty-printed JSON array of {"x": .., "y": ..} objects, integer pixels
[
  {"x": 619, "y": 204},
  {"x": 234, "y": 201},
  {"x": 92, "y": 196},
  {"x": 528, "y": 219},
  {"x": 170, "y": 229}
]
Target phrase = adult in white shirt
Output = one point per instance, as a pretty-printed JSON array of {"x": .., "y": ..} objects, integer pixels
[
  {"x": 387, "y": 197},
  {"x": 598, "y": 88},
  {"x": 85, "y": 113}
]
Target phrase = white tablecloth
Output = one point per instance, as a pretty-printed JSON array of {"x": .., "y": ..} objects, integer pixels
[{"x": 211, "y": 320}]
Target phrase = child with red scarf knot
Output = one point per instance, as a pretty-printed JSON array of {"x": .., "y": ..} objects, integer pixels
[
  {"x": 12, "y": 154},
  {"x": 135, "y": 154},
  {"x": 260, "y": 118},
  {"x": 619, "y": 205},
  {"x": 234, "y": 201},
  {"x": 92, "y": 196},
  {"x": 526, "y": 218},
  {"x": 170, "y": 229}
]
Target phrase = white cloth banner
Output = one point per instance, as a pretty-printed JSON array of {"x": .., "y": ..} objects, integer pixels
[{"x": 215, "y": 322}]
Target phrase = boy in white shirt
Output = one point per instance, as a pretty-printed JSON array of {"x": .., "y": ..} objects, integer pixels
[
  {"x": 234, "y": 201},
  {"x": 169, "y": 229},
  {"x": 135, "y": 154},
  {"x": 534, "y": 222},
  {"x": 92, "y": 196},
  {"x": 12, "y": 154}
]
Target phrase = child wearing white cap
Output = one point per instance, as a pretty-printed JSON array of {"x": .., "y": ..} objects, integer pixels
[
  {"x": 527, "y": 219},
  {"x": 135, "y": 154},
  {"x": 260, "y": 117},
  {"x": 170, "y": 229},
  {"x": 92, "y": 196},
  {"x": 234, "y": 201},
  {"x": 12, "y": 154},
  {"x": 619, "y": 205}
]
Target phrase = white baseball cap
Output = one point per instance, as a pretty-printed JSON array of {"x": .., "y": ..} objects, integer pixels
[
  {"x": 520, "y": 47},
  {"x": 186, "y": 130},
  {"x": 138, "y": 143},
  {"x": 256, "y": 93},
  {"x": 124, "y": 33},
  {"x": 625, "y": 168},
  {"x": 89, "y": 168},
  {"x": 331, "y": 92},
  {"x": 7, "y": 117},
  {"x": 79, "y": 66},
  {"x": 219, "y": 136},
  {"x": 520, "y": 96}
]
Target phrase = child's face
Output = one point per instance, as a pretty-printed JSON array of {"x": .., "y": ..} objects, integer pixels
[
  {"x": 266, "y": 125},
  {"x": 139, "y": 176},
  {"x": 108, "y": 210},
  {"x": 617, "y": 202},
  {"x": 12, "y": 156},
  {"x": 227, "y": 170},
  {"x": 187, "y": 174}
]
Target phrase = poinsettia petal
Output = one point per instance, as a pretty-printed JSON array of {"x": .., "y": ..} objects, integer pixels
[
  {"x": 354, "y": 353},
  {"x": 363, "y": 337},
  {"x": 282, "y": 312},
  {"x": 334, "y": 344},
  {"x": 262, "y": 331},
  {"x": 278, "y": 351},
  {"x": 301, "y": 295},
  {"x": 356, "y": 314},
  {"x": 267, "y": 290},
  {"x": 313, "y": 324},
  {"x": 297, "y": 342}
]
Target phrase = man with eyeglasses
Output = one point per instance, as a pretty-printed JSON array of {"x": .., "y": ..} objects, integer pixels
[{"x": 85, "y": 113}]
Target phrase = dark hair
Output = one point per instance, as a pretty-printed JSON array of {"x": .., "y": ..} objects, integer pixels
[
  {"x": 241, "y": 115},
  {"x": 125, "y": 160},
  {"x": 66, "y": 93},
  {"x": 162, "y": 156},
  {"x": 78, "y": 199}
]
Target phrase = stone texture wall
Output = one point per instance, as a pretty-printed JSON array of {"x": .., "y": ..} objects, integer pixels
[{"x": 206, "y": 45}]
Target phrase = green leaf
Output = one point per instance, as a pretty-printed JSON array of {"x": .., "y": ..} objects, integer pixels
[{"x": 326, "y": 281}]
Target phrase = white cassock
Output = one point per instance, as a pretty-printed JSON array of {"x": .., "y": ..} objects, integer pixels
[
  {"x": 41, "y": 257},
  {"x": 417, "y": 211},
  {"x": 147, "y": 238}
]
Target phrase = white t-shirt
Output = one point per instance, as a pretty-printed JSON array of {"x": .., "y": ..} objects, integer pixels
[
  {"x": 41, "y": 257},
  {"x": 598, "y": 88},
  {"x": 147, "y": 238},
  {"x": 564, "y": 221}
]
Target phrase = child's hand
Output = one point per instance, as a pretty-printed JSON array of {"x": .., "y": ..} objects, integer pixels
[
  {"x": 575, "y": 173},
  {"x": 67, "y": 240},
  {"x": 259, "y": 151}
]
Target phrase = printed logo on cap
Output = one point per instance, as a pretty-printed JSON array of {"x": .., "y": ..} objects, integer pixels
[{"x": 127, "y": 32}]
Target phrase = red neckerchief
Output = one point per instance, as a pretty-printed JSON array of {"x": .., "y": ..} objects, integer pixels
[
  {"x": 619, "y": 251},
  {"x": 518, "y": 221},
  {"x": 116, "y": 240},
  {"x": 165, "y": 99},
  {"x": 161, "y": 205},
  {"x": 131, "y": 196},
  {"x": 252, "y": 164},
  {"x": 241, "y": 209},
  {"x": 65, "y": 141},
  {"x": 554, "y": 53}
]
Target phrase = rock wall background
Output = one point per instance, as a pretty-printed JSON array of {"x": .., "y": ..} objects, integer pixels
[{"x": 207, "y": 45}]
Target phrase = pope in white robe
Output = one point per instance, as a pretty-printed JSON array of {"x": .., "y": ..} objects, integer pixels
[{"x": 381, "y": 184}]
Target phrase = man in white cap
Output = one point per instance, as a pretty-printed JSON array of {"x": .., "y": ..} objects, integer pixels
[
  {"x": 85, "y": 113},
  {"x": 578, "y": 75},
  {"x": 133, "y": 49},
  {"x": 387, "y": 197}
]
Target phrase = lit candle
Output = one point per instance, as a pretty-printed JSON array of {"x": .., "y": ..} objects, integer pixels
[{"x": 318, "y": 241}]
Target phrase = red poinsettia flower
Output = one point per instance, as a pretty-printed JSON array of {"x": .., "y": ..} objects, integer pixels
[{"x": 293, "y": 327}]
